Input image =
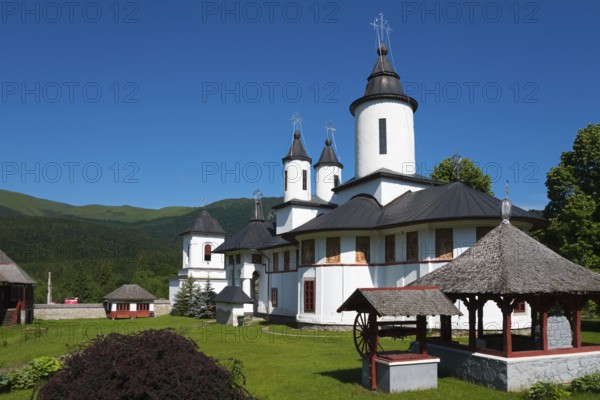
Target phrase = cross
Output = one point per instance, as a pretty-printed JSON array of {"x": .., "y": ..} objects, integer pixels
[
  {"x": 456, "y": 160},
  {"x": 296, "y": 121},
  {"x": 381, "y": 25},
  {"x": 329, "y": 128},
  {"x": 203, "y": 202},
  {"x": 257, "y": 194},
  {"x": 506, "y": 189}
]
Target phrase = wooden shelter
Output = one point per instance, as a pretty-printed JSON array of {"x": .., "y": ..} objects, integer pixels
[
  {"x": 373, "y": 303},
  {"x": 129, "y": 301},
  {"x": 508, "y": 267},
  {"x": 16, "y": 293}
]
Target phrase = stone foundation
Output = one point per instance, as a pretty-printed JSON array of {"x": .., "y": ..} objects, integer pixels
[
  {"x": 513, "y": 374},
  {"x": 83, "y": 311}
]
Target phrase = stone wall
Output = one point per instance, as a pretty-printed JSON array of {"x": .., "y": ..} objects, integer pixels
[
  {"x": 92, "y": 310},
  {"x": 560, "y": 335},
  {"x": 68, "y": 311},
  {"x": 513, "y": 374}
]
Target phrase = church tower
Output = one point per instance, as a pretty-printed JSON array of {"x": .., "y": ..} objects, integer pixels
[
  {"x": 384, "y": 127},
  {"x": 297, "y": 177},
  {"x": 328, "y": 172}
]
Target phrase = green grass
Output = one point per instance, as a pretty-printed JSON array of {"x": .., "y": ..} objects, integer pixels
[{"x": 308, "y": 365}]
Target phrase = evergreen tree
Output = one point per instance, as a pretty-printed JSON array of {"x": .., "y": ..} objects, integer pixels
[
  {"x": 183, "y": 298},
  {"x": 201, "y": 304}
]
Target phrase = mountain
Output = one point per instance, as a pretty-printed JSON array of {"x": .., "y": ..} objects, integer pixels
[
  {"x": 91, "y": 250},
  {"x": 13, "y": 203}
]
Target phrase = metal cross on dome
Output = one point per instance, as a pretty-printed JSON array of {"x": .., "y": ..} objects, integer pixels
[
  {"x": 381, "y": 25},
  {"x": 296, "y": 121},
  {"x": 257, "y": 194},
  {"x": 203, "y": 202},
  {"x": 329, "y": 128}
]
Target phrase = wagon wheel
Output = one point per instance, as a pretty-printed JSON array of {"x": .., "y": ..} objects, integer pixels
[{"x": 364, "y": 340}]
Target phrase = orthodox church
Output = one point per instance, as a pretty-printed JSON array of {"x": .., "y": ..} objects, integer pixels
[{"x": 385, "y": 227}]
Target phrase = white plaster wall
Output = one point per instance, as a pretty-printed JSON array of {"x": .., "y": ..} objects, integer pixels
[
  {"x": 292, "y": 217},
  {"x": 324, "y": 181},
  {"x": 400, "y": 155},
  {"x": 371, "y": 187},
  {"x": 294, "y": 190}
]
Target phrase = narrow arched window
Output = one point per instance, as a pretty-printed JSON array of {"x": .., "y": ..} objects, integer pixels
[{"x": 207, "y": 252}]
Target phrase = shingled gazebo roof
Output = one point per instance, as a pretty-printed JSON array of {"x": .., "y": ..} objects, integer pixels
[
  {"x": 130, "y": 293},
  {"x": 10, "y": 272},
  {"x": 509, "y": 261},
  {"x": 233, "y": 295},
  {"x": 403, "y": 301}
]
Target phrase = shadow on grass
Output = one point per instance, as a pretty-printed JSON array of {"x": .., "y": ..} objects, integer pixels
[{"x": 351, "y": 375}]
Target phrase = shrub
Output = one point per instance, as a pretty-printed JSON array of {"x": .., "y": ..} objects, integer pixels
[
  {"x": 149, "y": 365},
  {"x": 25, "y": 378},
  {"x": 546, "y": 391},
  {"x": 588, "y": 383}
]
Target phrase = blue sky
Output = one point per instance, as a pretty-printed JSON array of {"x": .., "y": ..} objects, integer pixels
[{"x": 160, "y": 103}]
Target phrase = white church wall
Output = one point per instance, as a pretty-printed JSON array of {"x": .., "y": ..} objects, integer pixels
[
  {"x": 325, "y": 181},
  {"x": 400, "y": 155},
  {"x": 370, "y": 187},
  {"x": 292, "y": 217},
  {"x": 391, "y": 189},
  {"x": 294, "y": 170}
]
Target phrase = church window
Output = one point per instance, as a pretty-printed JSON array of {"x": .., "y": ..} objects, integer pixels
[
  {"x": 285, "y": 179},
  {"x": 274, "y": 297},
  {"x": 390, "y": 248},
  {"x": 333, "y": 250},
  {"x": 309, "y": 296},
  {"x": 286, "y": 260},
  {"x": 363, "y": 249},
  {"x": 297, "y": 260},
  {"x": 481, "y": 231},
  {"x": 308, "y": 251},
  {"x": 382, "y": 136},
  {"x": 443, "y": 244},
  {"x": 275, "y": 262},
  {"x": 238, "y": 258},
  {"x": 336, "y": 180},
  {"x": 207, "y": 252},
  {"x": 412, "y": 246},
  {"x": 256, "y": 259},
  {"x": 304, "y": 179},
  {"x": 230, "y": 260},
  {"x": 519, "y": 307}
]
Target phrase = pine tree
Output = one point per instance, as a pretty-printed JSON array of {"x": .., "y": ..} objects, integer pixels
[
  {"x": 201, "y": 305},
  {"x": 183, "y": 298}
]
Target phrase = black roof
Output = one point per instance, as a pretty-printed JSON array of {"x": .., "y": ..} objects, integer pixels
[
  {"x": 205, "y": 223},
  {"x": 328, "y": 156},
  {"x": 297, "y": 151},
  {"x": 509, "y": 261},
  {"x": 130, "y": 292},
  {"x": 454, "y": 201},
  {"x": 314, "y": 202},
  {"x": 255, "y": 235},
  {"x": 383, "y": 83},
  {"x": 386, "y": 173},
  {"x": 232, "y": 294}
]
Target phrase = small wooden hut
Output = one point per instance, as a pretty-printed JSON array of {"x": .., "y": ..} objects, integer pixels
[
  {"x": 16, "y": 293},
  {"x": 129, "y": 301}
]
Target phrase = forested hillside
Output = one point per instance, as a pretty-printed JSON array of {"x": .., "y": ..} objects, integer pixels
[{"x": 89, "y": 256}]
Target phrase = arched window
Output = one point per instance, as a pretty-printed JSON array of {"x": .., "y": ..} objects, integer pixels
[{"x": 207, "y": 252}]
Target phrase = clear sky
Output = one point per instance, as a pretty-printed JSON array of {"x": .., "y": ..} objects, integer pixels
[{"x": 156, "y": 103}]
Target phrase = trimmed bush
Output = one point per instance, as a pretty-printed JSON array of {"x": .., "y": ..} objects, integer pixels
[
  {"x": 153, "y": 364},
  {"x": 26, "y": 378}
]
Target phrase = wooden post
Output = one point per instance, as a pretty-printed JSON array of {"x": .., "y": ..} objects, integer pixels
[
  {"x": 576, "y": 324},
  {"x": 480, "y": 319},
  {"x": 446, "y": 328},
  {"x": 472, "y": 307},
  {"x": 422, "y": 333},
  {"x": 506, "y": 330},
  {"x": 544, "y": 328},
  {"x": 375, "y": 333}
]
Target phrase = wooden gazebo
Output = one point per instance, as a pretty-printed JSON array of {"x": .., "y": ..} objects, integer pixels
[
  {"x": 372, "y": 306},
  {"x": 508, "y": 267},
  {"x": 16, "y": 293}
]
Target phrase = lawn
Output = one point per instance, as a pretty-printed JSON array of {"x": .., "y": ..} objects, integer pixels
[{"x": 279, "y": 362}]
